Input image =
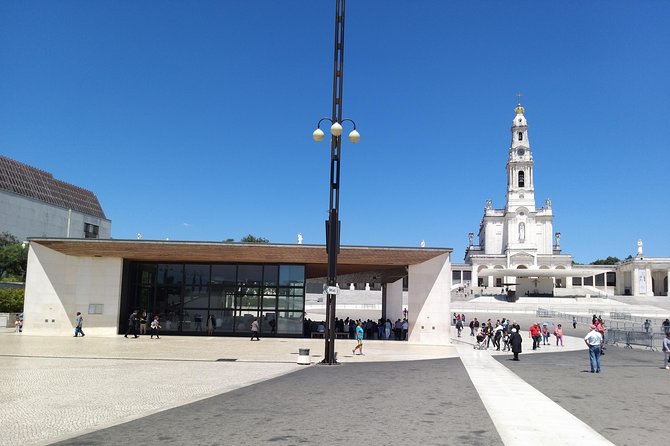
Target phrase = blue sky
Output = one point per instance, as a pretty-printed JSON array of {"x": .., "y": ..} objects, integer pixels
[{"x": 192, "y": 120}]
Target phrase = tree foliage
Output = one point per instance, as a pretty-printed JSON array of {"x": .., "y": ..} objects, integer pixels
[
  {"x": 13, "y": 258},
  {"x": 11, "y": 300},
  {"x": 252, "y": 239},
  {"x": 608, "y": 261}
]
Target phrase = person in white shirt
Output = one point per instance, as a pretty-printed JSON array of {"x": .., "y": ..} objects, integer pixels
[
  {"x": 666, "y": 349},
  {"x": 593, "y": 340}
]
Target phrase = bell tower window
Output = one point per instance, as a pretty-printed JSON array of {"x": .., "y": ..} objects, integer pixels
[
  {"x": 520, "y": 136},
  {"x": 521, "y": 181}
]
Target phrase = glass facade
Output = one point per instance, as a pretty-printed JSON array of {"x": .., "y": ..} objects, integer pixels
[{"x": 184, "y": 295}]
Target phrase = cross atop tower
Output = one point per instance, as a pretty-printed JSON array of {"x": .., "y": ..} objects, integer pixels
[{"x": 518, "y": 97}]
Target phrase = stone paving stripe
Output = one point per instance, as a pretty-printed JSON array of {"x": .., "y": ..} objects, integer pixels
[{"x": 521, "y": 423}]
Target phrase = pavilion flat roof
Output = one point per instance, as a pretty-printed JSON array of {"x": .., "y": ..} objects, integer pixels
[{"x": 384, "y": 264}]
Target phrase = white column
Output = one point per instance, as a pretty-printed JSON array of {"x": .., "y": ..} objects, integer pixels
[
  {"x": 429, "y": 301},
  {"x": 635, "y": 282},
  {"x": 394, "y": 301},
  {"x": 650, "y": 283},
  {"x": 473, "y": 276}
]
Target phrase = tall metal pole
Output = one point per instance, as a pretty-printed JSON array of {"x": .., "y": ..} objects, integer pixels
[{"x": 333, "y": 222}]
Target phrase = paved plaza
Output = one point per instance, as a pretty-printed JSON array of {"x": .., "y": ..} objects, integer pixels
[{"x": 230, "y": 391}]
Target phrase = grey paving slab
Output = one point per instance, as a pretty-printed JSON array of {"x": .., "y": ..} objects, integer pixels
[
  {"x": 429, "y": 402},
  {"x": 627, "y": 402}
]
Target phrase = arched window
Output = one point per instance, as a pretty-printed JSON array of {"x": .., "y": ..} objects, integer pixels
[
  {"x": 520, "y": 136},
  {"x": 521, "y": 179}
]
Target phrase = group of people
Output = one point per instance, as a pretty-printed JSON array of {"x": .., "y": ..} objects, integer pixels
[
  {"x": 381, "y": 329},
  {"x": 542, "y": 333},
  {"x": 505, "y": 335},
  {"x": 137, "y": 325}
]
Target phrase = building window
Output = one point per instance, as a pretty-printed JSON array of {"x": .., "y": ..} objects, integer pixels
[
  {"x": 600, "y": 280},
  {"x": 183, "y": 295},
  {"x": 95, "y": 308},
  {"x": 520, "y": 136},
  {"x": 91, "y": 231},
  {"x": 611, "y": 279},
  {"x": 521, "y": 179}
]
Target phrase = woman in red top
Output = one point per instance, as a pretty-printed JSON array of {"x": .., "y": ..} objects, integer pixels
[{"x": 534, "y": 333}]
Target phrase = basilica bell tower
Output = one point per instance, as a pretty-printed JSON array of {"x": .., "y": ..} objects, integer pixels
[
  {"x": 520, "y": 242},
  {"x": 520, "y": 186}
]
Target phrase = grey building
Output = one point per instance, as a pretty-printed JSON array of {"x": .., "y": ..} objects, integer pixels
[{"x": 35, "y": 204}]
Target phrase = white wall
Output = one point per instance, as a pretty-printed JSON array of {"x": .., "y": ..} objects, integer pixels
[
  {"x": 429, "y": 301},
  {"x": 33, "y": 218},
  {"x": 394, "y": 301},
  {"x": 57, "y": 286}
]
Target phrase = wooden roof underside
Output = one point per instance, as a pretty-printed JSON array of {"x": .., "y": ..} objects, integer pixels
[{"x": 358, "y": 264}]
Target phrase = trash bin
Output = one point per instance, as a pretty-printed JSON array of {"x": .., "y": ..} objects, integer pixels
[{"x": 303, "y": 356}]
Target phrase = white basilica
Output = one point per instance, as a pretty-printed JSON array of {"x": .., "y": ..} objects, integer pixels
[{"x": 519, "y": 253}]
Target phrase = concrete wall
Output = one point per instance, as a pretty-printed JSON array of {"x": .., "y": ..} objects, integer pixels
[
  {"x": 394, "y": 301},
  {"x": 33, "y": 218},
  {"x": 57, "y": 286},
  {"x": 429, "y": 301}
]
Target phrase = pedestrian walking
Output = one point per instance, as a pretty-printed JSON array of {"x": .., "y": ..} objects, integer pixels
[
  {"x": 666, "y": 350},
  {"x": 647, "y": 325},
  {"x": 18, "y": 324},
  {"x": 545, "y": 334},
  {"x": 359, "y": 338},
  {"x": 534, "y": 334},
  {"x": 558, "y": 332},
  {"x": 593, "y": 340},
  {"x": 78, "y": 325},
  {"x": 254, "y": 330},
  {"x": 143, "y": 323},
  {"x": 497, "y": 335},
  {"x": 472, "y": 328},
  {"x": 459, "y": 327},
  {"x": 505, "y": 338},
  {"x": 515, "y": 341},
  {"x": 211, "y": 323},
  {"x": 155, "y": 325},
  {"x": 132, "y": 325},
  {"x": 574, "y": 322},
  {"x": 600, "y": 326}
]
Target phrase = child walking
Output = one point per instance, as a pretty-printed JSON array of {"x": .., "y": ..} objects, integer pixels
[
  {"x": 359, "y": 338},
  {"x": 155, "y": 325}
]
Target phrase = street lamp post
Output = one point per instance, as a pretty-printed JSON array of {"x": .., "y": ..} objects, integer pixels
[{"x": 333, "y": 222}]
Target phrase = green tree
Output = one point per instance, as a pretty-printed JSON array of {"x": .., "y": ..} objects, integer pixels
[
  {"x": 11, "y": 300},
  {"x": 13, "y": 258},
  {"x": 252, "y": 239},
  {"x": 608, "y": 261}
]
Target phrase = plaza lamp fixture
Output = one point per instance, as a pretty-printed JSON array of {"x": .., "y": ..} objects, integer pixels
[{"x": 333, "y": 222}]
